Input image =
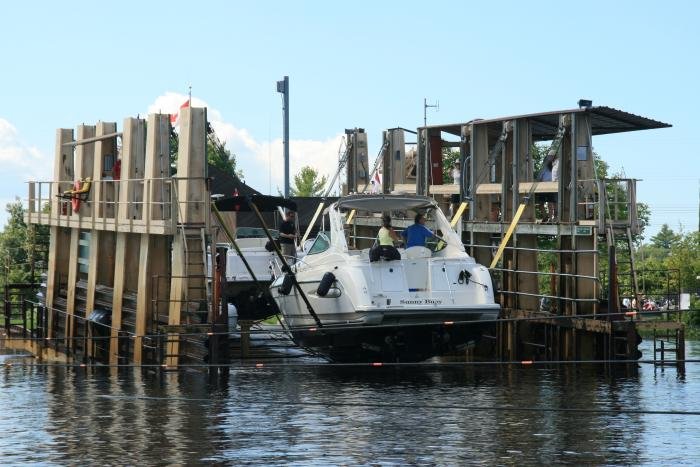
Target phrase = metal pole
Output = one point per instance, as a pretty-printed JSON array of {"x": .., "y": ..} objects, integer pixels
[{"x": 283, "y": 88}]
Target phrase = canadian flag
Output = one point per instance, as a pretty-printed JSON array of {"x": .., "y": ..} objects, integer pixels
[{"x": 175, "y": 118}]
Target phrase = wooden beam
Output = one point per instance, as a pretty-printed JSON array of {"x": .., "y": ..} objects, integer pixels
[
  {"x": 72, "y": 280},
  {"x": 117, "y": 297}
]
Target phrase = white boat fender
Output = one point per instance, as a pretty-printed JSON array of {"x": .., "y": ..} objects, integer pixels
[
  {"x": 325, "y": 284},
  {"x": 286, "y": 286}
]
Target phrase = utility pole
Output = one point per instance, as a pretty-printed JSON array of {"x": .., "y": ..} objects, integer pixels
[
  {"x": 436, "y": 106},
  {"x": 283, "y": 88}
]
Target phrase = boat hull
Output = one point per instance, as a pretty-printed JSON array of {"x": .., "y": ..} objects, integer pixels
[{"x": 409, "y": 336}]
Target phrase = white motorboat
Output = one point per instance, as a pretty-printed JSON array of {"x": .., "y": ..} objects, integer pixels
[{"x": 349, "y": 305}]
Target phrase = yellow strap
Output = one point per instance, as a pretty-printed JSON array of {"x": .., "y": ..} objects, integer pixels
[
  {"x": 349, "y": 219},
  {"x": 458, "y": 214},
  {"x": 502, "y": 246}
]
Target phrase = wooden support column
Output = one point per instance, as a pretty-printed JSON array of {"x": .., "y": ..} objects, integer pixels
[
  {"x": 435, "y": 151},
  {"x": 57, "y": 260},
  {"x": 153, "y": 250},
  {"x": 102, "y": 173},
  {"x": 154, "y": 254},
  {"x": 84, "y": 160},
  {"x": 192, "y": 209},
  {"x": 62, "y": 170},
  {"x": 133, "y": 155},
  {"x": 72, "y": 279},
  {"x": 480, "y": 206},
  {"x": 157, "y": 167},
  {"x": 101, "y": 253},
  {"x": 117, "y": 296},
  {"x": 394, "y": 160},
  {"x": 422, "y": 163}
]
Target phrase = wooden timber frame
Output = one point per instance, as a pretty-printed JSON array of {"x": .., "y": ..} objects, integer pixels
[
  {"x": 556, "y": 313},
  {"x": 139, "y": 224}
]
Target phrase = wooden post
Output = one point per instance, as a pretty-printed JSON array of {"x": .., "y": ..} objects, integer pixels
[
  {"x": 192, "y": 209},
  {"x": 117, "y": 297},
  {"x": 133, "y": 154},
  {"x": 153, "y": 249}
]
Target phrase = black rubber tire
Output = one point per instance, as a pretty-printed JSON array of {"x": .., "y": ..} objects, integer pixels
[
  {"x": 325, "y": 284},
  {"x": 287, "y": 284}
]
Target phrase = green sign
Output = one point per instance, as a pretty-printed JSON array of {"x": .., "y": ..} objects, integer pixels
[{"x": 584, "y": 230}]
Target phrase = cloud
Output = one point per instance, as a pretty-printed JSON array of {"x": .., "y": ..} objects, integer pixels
[
  {"x": 262, "y": 162},
  {"x": 19, "y": 158}
]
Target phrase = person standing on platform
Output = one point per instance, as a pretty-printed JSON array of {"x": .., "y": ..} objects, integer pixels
[
  {"x": 456, "y": 173},
  {"x": 288, "y": 238}
]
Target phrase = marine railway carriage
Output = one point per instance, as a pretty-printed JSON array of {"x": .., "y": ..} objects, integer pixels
[{"x": 136, "y": 246}]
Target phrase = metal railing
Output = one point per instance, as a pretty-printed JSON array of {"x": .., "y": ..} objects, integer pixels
[{"x": 106, "y": 206}]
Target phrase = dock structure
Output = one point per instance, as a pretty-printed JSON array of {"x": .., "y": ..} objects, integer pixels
[
  {"x": 130, "y": 228},
  {"x": 560, "y": 275},
  {"x": 128, "y": 278}
]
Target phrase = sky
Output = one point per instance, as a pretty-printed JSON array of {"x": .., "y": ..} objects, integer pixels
[{"x": 362, "y": 64}]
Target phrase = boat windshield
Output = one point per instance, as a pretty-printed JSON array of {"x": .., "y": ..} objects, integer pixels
[{"x": 321, "y": 244}]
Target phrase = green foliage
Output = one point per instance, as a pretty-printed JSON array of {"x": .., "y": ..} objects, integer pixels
[
  {"x": 20, "y": 246},
  {"x": 222, "y": 158},
  {"x": 449, "y": 157},
  {"x": 307, "y": 183},
  {"x": 666, "y": 238},
  {"x": 677, "y": 256},
  {"x": 217, "y": 155}
]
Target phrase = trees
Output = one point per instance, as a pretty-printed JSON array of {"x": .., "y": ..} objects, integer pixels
[
  {"x": 307, "y": 183},
  {"x": 666, "y": 238},
  {"x": 222, "y": 158},
  {"x": 217, "y": 154},
  {"x": 20, "y": 246}
]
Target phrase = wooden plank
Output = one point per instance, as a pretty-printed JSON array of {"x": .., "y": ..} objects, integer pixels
[
  {"x": 72, "y": 280},
  {"x": 524, "y": 188},
  {"x": 142, "y": 296},
  {"x": 84, "y": 160},
  {"x": 117, "y": 296},
  {"x": 52, "y": 277},
  {"x": 62, "y": 169},
  {"x": 104, "y": 189},
  {"x": 133, "y": 154},
  {"x": 157, "y": 166}
]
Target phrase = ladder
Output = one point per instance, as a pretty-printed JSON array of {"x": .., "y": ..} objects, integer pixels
[
  {"x": 621, "y": 240},
  {"x": 197, "y": 290}
]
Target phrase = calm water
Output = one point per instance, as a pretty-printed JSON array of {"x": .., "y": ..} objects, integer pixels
[{"x": 316, "y": 415}]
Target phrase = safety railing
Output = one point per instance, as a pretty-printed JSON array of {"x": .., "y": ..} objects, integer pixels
[
  {"x": 148, "y": 203},
  {"x": 610, "y": 202},
  {"x": 547, "y": 301}
]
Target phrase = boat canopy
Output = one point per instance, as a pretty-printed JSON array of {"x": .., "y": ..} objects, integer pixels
[
  {"x": 263, "y": 202},
  {"x": 377, "y": 203}
]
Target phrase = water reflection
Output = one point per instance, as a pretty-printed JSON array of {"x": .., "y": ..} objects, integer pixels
[{"x": 328, "y": 415}]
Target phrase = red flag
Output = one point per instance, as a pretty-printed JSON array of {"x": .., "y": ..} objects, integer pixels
[{"x": 174, "y": 118}]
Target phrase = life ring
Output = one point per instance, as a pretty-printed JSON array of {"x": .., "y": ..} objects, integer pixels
[
  {"x": 325, "y": 284},
  {"x": 75, "y": 199}
]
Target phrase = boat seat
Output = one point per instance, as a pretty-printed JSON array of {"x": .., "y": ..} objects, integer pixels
[
  {"x": 415, "y": 252},
  {"x": 384, "y": 252}
]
